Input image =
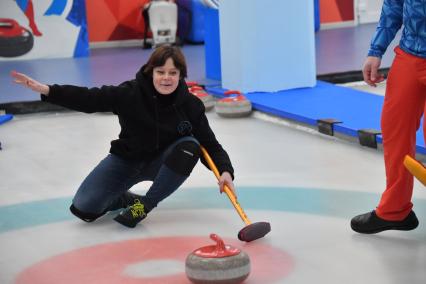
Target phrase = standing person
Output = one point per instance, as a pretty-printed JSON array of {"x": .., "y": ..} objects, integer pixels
[
  {"x": 403, "y": 108},
  {"x": 162, "y": 127}
]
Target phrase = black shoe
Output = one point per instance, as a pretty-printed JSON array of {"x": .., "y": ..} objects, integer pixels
[
  {"x": 125, "y": 200},
  {"x": 129, "y": 198},
  {"x": 133, "y": 214},
  {"x": 370, "y": 223}
]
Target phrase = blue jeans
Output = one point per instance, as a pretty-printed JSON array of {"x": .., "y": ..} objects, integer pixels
[{"x": 114, "y": 176}]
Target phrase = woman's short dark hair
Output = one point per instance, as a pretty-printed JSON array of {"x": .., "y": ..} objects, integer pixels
[{"x": 161, "y": 54}]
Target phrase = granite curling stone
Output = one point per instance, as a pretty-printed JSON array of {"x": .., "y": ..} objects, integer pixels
[
  {"x": 217, "y": 264},
  {"x": 200, "y": 93},
  {"x": 233, "y": 106}
]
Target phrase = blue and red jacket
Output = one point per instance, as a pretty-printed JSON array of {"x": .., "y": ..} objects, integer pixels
[{"x": 395, "y": 13}]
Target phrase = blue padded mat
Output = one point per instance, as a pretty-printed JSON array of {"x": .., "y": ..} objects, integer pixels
[
  {"x": 355, "y": 109},
  {"x": 5, "y": 117}
]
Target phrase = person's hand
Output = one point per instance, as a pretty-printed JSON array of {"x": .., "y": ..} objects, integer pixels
[
  {"x": 370, "y": 71},
  {"x": 226, "y": 179},
  {"x": 30, "y": 83}
]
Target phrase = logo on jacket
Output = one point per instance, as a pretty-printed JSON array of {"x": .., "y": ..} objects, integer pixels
[{"x": 184, "y": 128}]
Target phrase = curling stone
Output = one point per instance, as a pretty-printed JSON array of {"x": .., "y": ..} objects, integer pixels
[
  {"x": 207, "y": 99},
  {"x": 233, "y": 106},
  {"x": 217, "y": 264}
]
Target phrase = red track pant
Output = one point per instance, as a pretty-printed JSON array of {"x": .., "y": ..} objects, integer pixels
[{"x": 402, "y": 110}]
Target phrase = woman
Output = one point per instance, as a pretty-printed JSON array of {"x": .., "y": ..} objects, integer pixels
[{"x": 162, "y": 127}]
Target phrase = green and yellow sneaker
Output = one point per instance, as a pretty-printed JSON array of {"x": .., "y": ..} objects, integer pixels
[{"x": 133, "y": 214}]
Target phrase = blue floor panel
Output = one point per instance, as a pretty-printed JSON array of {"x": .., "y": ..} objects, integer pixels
[
  {"x": 355, "y": 109},
  {"x": 5, "y": 117}
]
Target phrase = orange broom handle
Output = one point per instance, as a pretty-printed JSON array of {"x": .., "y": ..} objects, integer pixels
[{"x": 227, "y": 190}]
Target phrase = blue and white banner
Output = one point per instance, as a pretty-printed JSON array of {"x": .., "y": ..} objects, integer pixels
[{"x": 43, "y": 29}]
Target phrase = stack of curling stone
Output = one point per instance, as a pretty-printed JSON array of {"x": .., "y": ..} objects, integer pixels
[
  {"x": 233, "y": 106},
  {"x": 217, "y": 264},
  {"x": 199, "y": 92}
]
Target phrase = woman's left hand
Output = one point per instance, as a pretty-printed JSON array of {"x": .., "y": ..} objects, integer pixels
[
  {"x": 30, "y": 83},
  {"x": 226, "y": 179}
]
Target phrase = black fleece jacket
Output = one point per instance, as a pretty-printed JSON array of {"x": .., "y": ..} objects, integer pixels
[{"x": 148, "y": 124}]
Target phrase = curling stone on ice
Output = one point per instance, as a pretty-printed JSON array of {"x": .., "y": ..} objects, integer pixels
[
  {"x": 217, "y": 264},
  {"x": 207, "y": 99},
  {"x": 233, "y": 106},
  {"x": 199, "y": 92}
]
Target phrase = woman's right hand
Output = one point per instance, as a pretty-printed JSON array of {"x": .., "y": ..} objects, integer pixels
[
  {"x": 30, "y": 83},
  {"x": 226, "y": 179}
]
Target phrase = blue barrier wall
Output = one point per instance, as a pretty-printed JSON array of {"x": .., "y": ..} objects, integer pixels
[{"x": 212, "y": 44}]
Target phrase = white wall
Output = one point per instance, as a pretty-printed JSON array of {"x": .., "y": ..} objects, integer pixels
[
  {"x": 267, "y": 45},
  {"x": 367, "y": 11}
]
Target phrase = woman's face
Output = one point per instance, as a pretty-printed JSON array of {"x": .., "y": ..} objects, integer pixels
[{"x": 166, "y": 77}]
